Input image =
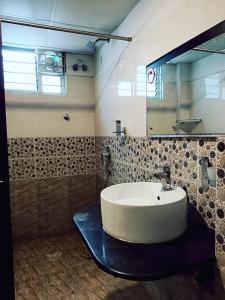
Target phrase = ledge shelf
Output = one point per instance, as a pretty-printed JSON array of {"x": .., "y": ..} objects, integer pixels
[
  {"x": 143, "y": 262},
  {"x": 190, "y": 121}
]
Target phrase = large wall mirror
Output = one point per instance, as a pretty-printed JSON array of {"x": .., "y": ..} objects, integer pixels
[{"x": 186, "y": 87}]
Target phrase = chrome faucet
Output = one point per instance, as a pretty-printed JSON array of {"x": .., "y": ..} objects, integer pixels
[{"x": 164, "y": 174}]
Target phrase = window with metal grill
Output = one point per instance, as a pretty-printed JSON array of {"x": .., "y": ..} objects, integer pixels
[
  {"x": 36, "y": 71},
  {"x": 154, "y": 84}
]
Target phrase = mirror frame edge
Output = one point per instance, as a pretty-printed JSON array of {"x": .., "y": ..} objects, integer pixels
[{"x": 201, "y": 38}]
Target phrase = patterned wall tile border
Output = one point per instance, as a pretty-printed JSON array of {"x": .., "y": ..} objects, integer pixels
[
  {"x": 50, "y": 157},
  {"x": 140, "y": 156}
]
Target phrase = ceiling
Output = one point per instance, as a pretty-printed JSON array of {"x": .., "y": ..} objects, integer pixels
[{"x": 93, "y": 15}]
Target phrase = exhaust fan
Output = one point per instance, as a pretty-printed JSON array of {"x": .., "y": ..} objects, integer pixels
[{"x": 50, "y": 62}]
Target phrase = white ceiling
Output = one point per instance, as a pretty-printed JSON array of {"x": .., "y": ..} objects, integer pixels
[{"x": 93, "y": 15}]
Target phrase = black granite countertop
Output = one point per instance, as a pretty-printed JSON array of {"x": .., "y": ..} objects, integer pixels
[{"x": 146, "y": 262}]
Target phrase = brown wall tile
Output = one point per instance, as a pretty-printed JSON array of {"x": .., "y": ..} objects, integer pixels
[{"x": 45, "y": 207}]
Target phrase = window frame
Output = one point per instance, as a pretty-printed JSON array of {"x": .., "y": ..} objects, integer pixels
[
  {"x": 17, "y": 50},
  {"x": 39, "y": 90},
  {"x": 62, "y": 85}
]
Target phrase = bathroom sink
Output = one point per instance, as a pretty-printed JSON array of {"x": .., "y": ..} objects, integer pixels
[{"x": 140, "y": 212}]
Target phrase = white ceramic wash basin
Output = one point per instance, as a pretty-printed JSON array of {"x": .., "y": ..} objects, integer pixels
[{"x": 140, "y": 212}]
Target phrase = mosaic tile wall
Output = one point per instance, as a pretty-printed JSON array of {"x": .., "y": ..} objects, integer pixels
[
  {"x": 50, "y": 179},
  {"x": 50, "y": 157},
  {"x": 40, "y": 158},
  {"x": 140, "y": 156}
]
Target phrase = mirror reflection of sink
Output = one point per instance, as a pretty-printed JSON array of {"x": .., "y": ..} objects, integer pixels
[{"x": 140, "y": 212}]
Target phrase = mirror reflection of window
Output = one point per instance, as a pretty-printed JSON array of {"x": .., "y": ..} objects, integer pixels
[
  {"x": 125, "y": 88},
  {"x": 154, "y": 83},
  {"x": 141, "y": 81}
]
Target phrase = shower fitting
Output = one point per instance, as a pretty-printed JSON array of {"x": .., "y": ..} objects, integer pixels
[
  {"x": 80, "y": 65},
  {"x": 92, "y": 45}
]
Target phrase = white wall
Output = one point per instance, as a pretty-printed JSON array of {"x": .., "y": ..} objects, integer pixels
[
  {"x": 32, "y": 115},
  {"x": 157, "y": 26}
]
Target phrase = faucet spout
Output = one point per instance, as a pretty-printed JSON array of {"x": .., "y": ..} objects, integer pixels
[{"x": 164, "y": 174}]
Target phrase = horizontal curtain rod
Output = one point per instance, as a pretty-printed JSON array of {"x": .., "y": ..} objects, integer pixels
[
  {"x": 68, "y": 30},
  {"x": 208, "y": 50}
]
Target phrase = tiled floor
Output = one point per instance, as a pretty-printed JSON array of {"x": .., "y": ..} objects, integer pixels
[{"x": 53, "y": 269}]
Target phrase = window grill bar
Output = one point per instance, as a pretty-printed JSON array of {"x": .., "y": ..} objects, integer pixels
[
  {"x": 25, "y": 83},
  {"x": 50, "y": 85},
  {"x": 25, "y": 73},
  {"x": 28, "y": 83},
  {"x": 33, "y": 80},
  {"x": 18, "y": 62}
]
